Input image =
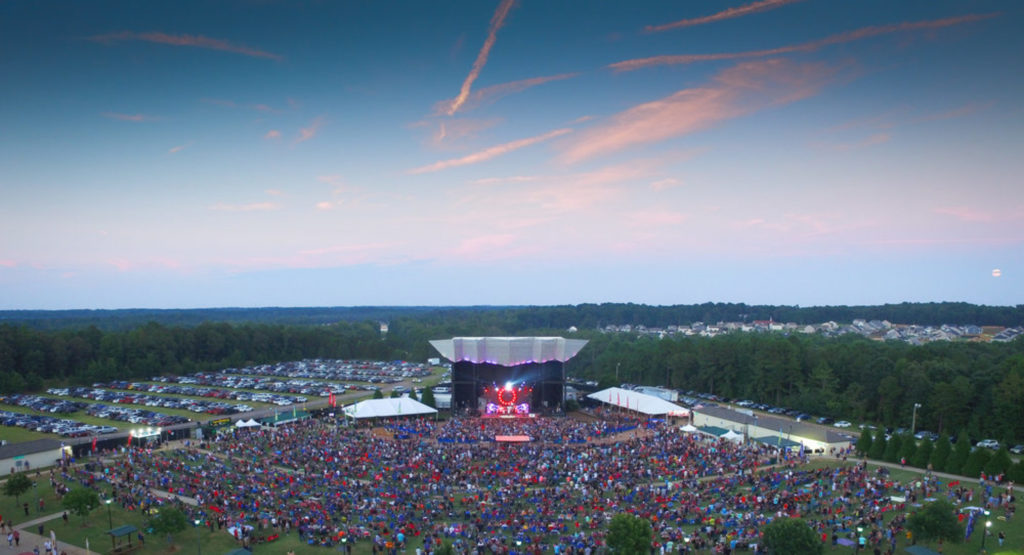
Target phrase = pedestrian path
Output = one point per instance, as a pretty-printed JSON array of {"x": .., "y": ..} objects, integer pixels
[{"x": 30, "y": 538}]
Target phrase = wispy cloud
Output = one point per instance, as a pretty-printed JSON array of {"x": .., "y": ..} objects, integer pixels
[
  {"x": 875, "y": 139},
  {"x": 655, "y": 218},
  {"x": 326, "y": 205},
  {"x": 510, "y": 179},
  {"x": 452, "y": 132},
  {"x": 489, "y": 153},
  {"x": 274, "y": 192},
  {"x": 8, "y": 263},
  {"x": 488, "y": 247},
  {"x": 307, "y": 133},
  {"x": 497, "y": 20},
  {"x": 747, "y": 9},
  {"x": 849, "y": 36},
  {"x": 965, "y": 110},
  {"x": 129, "y": 117},
  {"x": 740, "y": 90},
  {"x": 179, "y": 148},
  {"x": 232, "y": 104},
  {"x": 250, "y": 207},
  {"x": 272, "y": 134},
  {"x": 197, "y": 41},
  {"x": 966, "y": 214},
  {"x": 490, "y": 94},
  {"x": 667, "y": 183}
]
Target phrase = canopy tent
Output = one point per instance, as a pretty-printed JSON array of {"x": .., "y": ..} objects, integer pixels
[
  {"x": 732, "y": 436},
  {"x": 689, "y": 428},
  {"x": 246, "y": 423},
  {"x": 777, "y": 441},
  {"x": 384, "y": 408},
  {"x": 640, "y": 402}
]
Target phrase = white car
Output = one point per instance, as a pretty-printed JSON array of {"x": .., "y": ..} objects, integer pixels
[
  {"x": 842, "y": 424},
  {"x": 988, "y": 444}
]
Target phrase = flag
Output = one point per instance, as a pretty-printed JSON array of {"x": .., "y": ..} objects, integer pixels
[
  {"x": 94, "y": 444},
  {"x": 970, "y": 525},
  {"x": 293, "y": 412}
]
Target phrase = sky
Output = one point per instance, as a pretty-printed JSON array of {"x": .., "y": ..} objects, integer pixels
[{"x": 306, "y": 153}]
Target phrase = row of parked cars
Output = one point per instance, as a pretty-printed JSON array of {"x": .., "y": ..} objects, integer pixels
[
  {"x": 42, "y": 404},
  {"x": 373, "y": 371},
  {"x": 52, "y": 425},
  {"x": 135, "y": 416},
  {"x": 138, "y": 398},
  {"x": 208, "y": 392}
]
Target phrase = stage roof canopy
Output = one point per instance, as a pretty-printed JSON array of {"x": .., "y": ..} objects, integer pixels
[
  {"x": 383, "y": 408},
  {"x": 508, "y": 351},
  {"x": 640, "y": 402}
]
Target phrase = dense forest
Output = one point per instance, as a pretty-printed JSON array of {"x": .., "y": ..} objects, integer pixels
[
  {"x": 583, "y": 316},
  {"x": 962, "y": 386}
]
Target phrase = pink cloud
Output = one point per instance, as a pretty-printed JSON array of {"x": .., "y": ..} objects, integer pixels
[
  {"x": 492, "y": 34},
  {"x": 128, "y": 117},
  {"x": 307, "y": 133},
  {"x": 272, "y": 134},
  {"x": 762, "y": 6},
  {"x": 965, "y": 110},
  {"x": 7, "y": 263},
  {"x": 740, "y": 90},
  {"x": 494, "y": 92},
  {"x": 849, "y": 36},
  {"x": 966, "y": 214},
  {"x": 197, "y": 41},
  {"x": 250, "y": 207},
  {"x": 656, "y": 218},
  {"x": 324, "y": 205},
  {"x": 489, "y": 153},
  {"x": 233, "y": 104},
  {"x": 274, "y": 192},
  {"x": 453, "y": 131},
  {"x": 510, "y": 179},
  {"x": 667, "y": 183},
  {"x": 178, "y": 148},
  {"x": 484, "y": 245}
]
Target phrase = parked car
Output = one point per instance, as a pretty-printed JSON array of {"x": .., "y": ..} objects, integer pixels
[
  {"x": 1017, "y": 449},
  {"x": 842, "y": 424},
  {"x": 988, "y": 444}
]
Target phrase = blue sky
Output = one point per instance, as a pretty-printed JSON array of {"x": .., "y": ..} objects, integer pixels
[{"x": 265, "y": 153}]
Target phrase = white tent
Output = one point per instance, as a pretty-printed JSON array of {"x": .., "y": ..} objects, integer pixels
[
  {"x": 732, "y": 436},
  {"x": 383, "y": 408},
  {"x": 689, "y": 428},
  {"x": 640, "y": 402},
  {"x": 246, "y": 423}
]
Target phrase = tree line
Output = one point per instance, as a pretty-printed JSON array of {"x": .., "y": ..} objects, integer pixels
[
  {"x": 978, "y": 387},
  {"x": 582, "y": 316}
]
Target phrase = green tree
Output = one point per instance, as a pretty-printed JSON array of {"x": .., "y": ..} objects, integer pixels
[
  {"x": 923, "y": 455},
  {"x": 1016, "y": 472},
  {"x": 413, "y": 396},
  {"x": 958, "y": 458},
  {"x": 168, "y": 522},
  {"x": 999, "y": 463},
  {"x": 936, "y": 521},
  {"x": 81, "y": 501},
  {"x": 378, "y": 394},
  {"x": 908, "y": 448},
  {"x": 878, "y": 447},
  {"x": 629, "y": 534},
  {"x": 864, "y": 443},
  {"x": 892, "y": 449},
  {"x": 16, "y": 485},
  {"x": 784, "y": 536},
  {"x": 395, "y": 394},
  {"x": 942, "y": 450},
  {"x": 976, "y": 463},
  {"x": 428, "y": 398}
]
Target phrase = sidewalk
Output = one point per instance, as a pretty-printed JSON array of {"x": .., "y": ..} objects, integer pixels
[{"x": 30, "y": 539}]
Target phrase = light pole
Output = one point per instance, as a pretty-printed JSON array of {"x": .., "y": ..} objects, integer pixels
[
  {"x": 913, "y": 419},
  {"x": 110, "y": 519},
  {"x": 35, "y": 488},
  {"x": 984, "y": 532},
  {"x": 199, "y": 540}
]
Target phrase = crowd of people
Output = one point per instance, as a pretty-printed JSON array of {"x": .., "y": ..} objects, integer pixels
[{"x": 398, "y": 483}]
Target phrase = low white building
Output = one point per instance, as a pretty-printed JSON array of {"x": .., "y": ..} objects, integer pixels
[
  {"x": 754, "y": 427},
  {"x": 29, "y": 455}
]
